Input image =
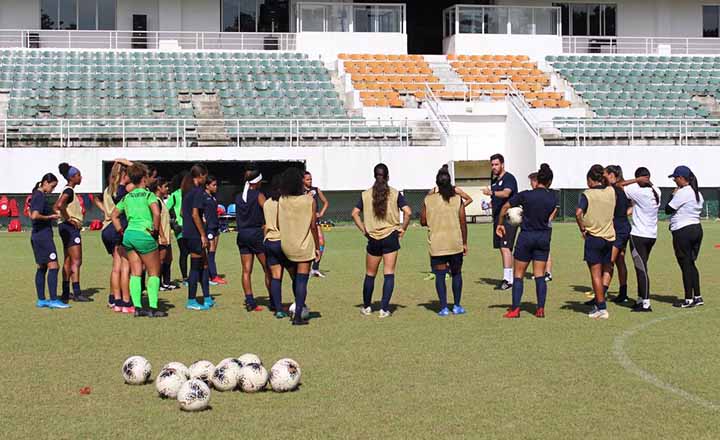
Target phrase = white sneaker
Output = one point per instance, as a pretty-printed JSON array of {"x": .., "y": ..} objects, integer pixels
[
  {"x": 599, "y": 314},
  {"x": 367, "y": 311},
  {"x": 384, "y": 314},
  {"x": 319, "y": 274}
]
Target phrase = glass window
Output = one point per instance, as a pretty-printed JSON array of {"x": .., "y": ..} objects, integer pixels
[
  {"x": 496, "y": 20},
  {"x": 106, "y": 15},
  {"x": 49, "y": 14},
  {"x": 247, "y": 13},
  {"x": 68, "y": 14},
  {"x": 545, "y": 21},
  {"x": 521, "y": 21},
  {"x": 388, "y": 19},
  {"x": 471, "y": 20},
  {"x": 313, "y": 18},
  {"x": 239, "y": 15},
  {"x": 338, "y": 18},
  {"x": 364, "y": 19},
  {"x": 579, "y": 19},
  {"x": 609, "y": 20},
  {"x": 593, "y": 19},
  {"x": 564, "y": 17},
  {"x": 229, "y": 14},
  {"x": 86, "y": 15},
  {"x": 710, "y": 21},
  {"x": 274, "y": 16}
]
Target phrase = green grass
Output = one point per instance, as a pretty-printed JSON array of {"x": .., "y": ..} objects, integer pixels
[{"x": 411, "y": 376}]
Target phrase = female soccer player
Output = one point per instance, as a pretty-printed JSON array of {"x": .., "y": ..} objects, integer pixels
[
  {"x": 143, "y": 224},
  {"x": 594, "y": 216},
  {"x": 174, "y": 205},
  {"x": 249, "y": 217},
  {"x": 276, "y": 259},
  {"x": 213, "y": 228},
  {"x": 613, "y": 176},
  {"x": 539, "y": 207},
  {"x": 160, "y": 188},
  {"x": 71, "y": 219},
  {"x": 645, "y": 200},
  {"x": 319, "y": 198},
  {"x": 42, "y": 243},
  {"x": 684, "y": 209},
  {"x": 193, "y": 206},
  {"x": 549, "y": 264},
  {"x": 380, "y": 224},
  {"x": 443, "y": 213},
  {"x": 299, "y": 239}
]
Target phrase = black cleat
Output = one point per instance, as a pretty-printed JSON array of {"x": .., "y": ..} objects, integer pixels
[
  {"x": 698, "y": 301},
  {"x": 638, "y": 307},
  {"x": 140, "y": 313},
  {"x": 687, "y": 304},
  {"x": 81, "y": 298},
  {"x": 620, "y": 299},
  {"x": 591, "y": 302},
  {"x": 300, "y": 322},
  {"x": 504, "y": 286},
  {"x": 156, "y": 314}
]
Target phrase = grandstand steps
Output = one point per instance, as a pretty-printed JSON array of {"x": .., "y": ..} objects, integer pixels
[
  {"x": 448, "y": 77},
  {"x": 210, "y": 126},
  {"x": 710, "y": 104},
  {"x": 424, "y": 133}
]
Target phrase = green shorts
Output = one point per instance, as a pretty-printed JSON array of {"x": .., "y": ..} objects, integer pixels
[{"x": 139, "y": 241}]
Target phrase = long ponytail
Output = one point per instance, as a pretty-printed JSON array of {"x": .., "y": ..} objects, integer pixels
[
  {"x": 644, "y": 172},
  {"x": 380, "y": 190},
  {"x": 692, "y": 180},
  {"x": 444, "y": 184},
  {"x": 49, "y": 178}
]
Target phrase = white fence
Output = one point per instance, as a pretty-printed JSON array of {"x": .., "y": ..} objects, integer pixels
[
  {"x": 642, "y": 45},
  {"x": 73, "y": 39}
]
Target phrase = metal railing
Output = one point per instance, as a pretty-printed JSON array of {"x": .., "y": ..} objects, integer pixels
[
  {"x": 511, "y": 20},
  {"x": 641, "y": 45},
  {"x": 73, "y": 39},
  {"x": 436, "y": 113},
  {"x": 350, "y": 17},
  {"x": 193, "y": 132}
]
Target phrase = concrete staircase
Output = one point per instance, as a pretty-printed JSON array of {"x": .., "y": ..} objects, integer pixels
[
  {"x": 424, "y": 133},
  {"x": 209, "y": 133}
]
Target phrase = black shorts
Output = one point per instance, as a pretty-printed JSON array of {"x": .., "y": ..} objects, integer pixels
[
  {"x": 69, "y": 234},
  {"x": 164, "y": 247},
  {"x": 212, "y": 234},
  {"x": 598, "y": 250},
  {"x": 43, "y": 247},
  {"x": 506, "y": 242},
  {"x": 532, "y": 245},
  {"x": 194, "y": 245},
  {"x": 622, "y": 234},
  {"x": 387, "y": 245},
  {"x": 455, "y": 262},
  {"x": 250, "y": 241},
  {"x": 275, "y": 255},
  {"x": 110, "y": 238}
]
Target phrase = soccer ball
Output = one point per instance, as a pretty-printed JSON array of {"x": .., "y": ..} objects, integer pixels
[
  {"x": 247, "y": 359},
  {"x": 285, "y": 375},
  {"x": 180, "y": 368},
  {"x": 305, "y": 311},
  {"x": 226, "y": 361},
  {"x": 202, "y": 370},
  {"x": 225, "y": 376},
  {"x": 515, "y": 215},
  {"x": 194, "y": 395},
  {"x": 136, "y": 370},
  {"x": 168, "y": 382},
  {"x": 253, "y": 378}
]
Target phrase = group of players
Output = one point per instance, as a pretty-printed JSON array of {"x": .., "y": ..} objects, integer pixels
[{"x": 278, "y": 226}]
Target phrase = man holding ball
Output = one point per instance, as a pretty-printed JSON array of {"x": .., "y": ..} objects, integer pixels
[{"x": 503, "y": 187}]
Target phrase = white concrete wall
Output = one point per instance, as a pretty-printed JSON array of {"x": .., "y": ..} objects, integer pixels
[
  {"x": 170, "y": 15},
  {"x": 19, "y": 14},
  {"x": 329, "y": 44},
  {"x": 521, "y": 148},
  {"x": 535, "y": 46},
  {"x": 201, "y": 15}
]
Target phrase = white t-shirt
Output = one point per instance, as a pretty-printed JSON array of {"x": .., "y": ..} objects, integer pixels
[
  {"x": 687, "y": 209},
  {"x": 644, "y": 211}
]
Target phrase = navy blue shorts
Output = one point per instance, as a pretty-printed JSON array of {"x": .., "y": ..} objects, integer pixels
[
  {"x": 275, "y": 255},
  {"x": 43, "y": 247},
  {"x": 597, "y": 250},
  {"x": 387, "y": 245},
  {"x": 250, "y": 241},
  {"x": 506, "y": 242},
  {"x": 110, "y": 238},
  {"x": 212, "y": 234},
  {"x": 194, "y": 245},
  {"x": 622, "y": 233},
  {"x": 532, "y": 245},
  {"x": 69, "y": 234},
  {"x": 455, "y": 262}
]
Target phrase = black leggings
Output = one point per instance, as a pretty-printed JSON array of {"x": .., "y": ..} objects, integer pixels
[
  {"x": 184, "y": 254},
  {"x": 640, "y": 248},
  {"x": 686, "y": 242}
]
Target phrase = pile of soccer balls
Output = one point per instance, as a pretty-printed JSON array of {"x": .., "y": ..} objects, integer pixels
[{"x": 191, "y": 385}]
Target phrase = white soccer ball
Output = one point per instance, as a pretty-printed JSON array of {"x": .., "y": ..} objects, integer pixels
[
  {"x": 202, "y": 370},
  {"x": 305, "y": 311},
  {"x": 194, "y": 395},
  {"x": 253, "y": 378},
  {"x": 247, "y": 359},
  {"x": 225, "y": 376},
  {"x": 168, "y": 382},
  {"x": 285, "y": 375},
  {"x": 179, "y": 367},
  {"x": 515, "y": 216},
  {"x": 136, "y": 370}
]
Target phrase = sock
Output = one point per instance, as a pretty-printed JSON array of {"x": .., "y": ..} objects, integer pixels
[
  {"x": 368, "y": 287},
  {"x": 602, "y": 305},
  {"x": 517, "y": 292},
  {"x": 153, "y": 285},
  {"x": 76, "y": 289},
  {"x": 65, "y": 289},
  {"x": 40, "y": 283},
  {"x": 623, "y": 291},
  {"x": 143, "y": 284},
  {"x": 111, "y": 299},
  {"x": 166, "y": 274},
  {"x": 136, "y": 290},
  {"x": 52, "y": 279},
  {"x": 183, "y": 265},
  {"x": 205, "y": 282},
  {"x": 605, "y": 289},
  {"x": 457, "y": 285},
  {"x": 646, "y": 303},
  {"x": 300, "y": 294},
  {"x": 250, "y": 301},
  {"x": 508, "y": 274},
  {"x": 440, "y": 287},
  {"x": 212, "y": 267},
  {"x": 195, "y": 273},
  {"x": 276, "y": 293},
  {"x": 541, "y": 290},
  {"x": 316, "y": 265},
  {"x": 388, "y": 287}
]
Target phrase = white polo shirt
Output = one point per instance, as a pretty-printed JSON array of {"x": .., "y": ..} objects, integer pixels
[
  {"x": 687, "y": 208},
  {"x": 644, "y": 211}
]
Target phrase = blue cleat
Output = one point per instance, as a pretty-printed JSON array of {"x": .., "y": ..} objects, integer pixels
[
  {"x": 444, "y": 312},
  {"x": 458, "y": 310},
  {"x": 208, "y": 302},
  {"x": 41, "y": 303},
  {"x": 192, "y": 304},
  {"x": 57, "y": 304}
]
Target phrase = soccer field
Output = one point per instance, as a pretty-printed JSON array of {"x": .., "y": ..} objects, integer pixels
[{"x": 414, "y": 375}]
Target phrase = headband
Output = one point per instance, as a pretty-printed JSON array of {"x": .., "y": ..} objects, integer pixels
[
  {"x": 258, "y": 179},
  {"x": 72, "y": 171}
]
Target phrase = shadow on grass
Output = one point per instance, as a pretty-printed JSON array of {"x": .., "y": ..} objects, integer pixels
[
  {"x": 489, "y": 281},
  {"x": 165, "y": 305},
  {"x": 669, "y": 299},
  {"x": 376, "y": 306},
  {"x": 433, "y": 306},
  {"x": 580, "y": 288},
  {"x": 524, "y": 306},
  {"x": 576, "y": 306}
]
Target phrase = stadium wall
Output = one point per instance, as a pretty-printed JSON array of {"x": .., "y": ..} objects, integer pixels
[
  {"x": 535, "y": 46},
  {"x": 19, "y": 14}
]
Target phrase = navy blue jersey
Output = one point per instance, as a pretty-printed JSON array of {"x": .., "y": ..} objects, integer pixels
[
  {"x": 70, "y": 193},
  {"x": 538, "y": 204},
  {"x": 622, "y": 203},
  {"x": 211, "y": 217},
  {"x": 39, "y": 203},
  {"x": 119, "y": 194},
  {"x": 195, "y": 198},
  {"x": 507, "y": 181},
  {"x": 315, "y": 193},
  {"x": 401, "y": 202},
  {"x": 249, "y": 214}
]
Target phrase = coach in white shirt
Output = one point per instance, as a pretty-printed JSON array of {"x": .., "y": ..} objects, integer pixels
[{"x": 685, "y": 209}]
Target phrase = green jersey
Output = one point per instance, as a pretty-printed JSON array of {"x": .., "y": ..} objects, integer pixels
[
  {"x": 174, "y": 204},
  {"x": 136, "y": 206}
]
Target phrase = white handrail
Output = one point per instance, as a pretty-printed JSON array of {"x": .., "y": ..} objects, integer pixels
[
  {"x": 435, "y": 111},
  {"x": 640, "y": 45}
]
